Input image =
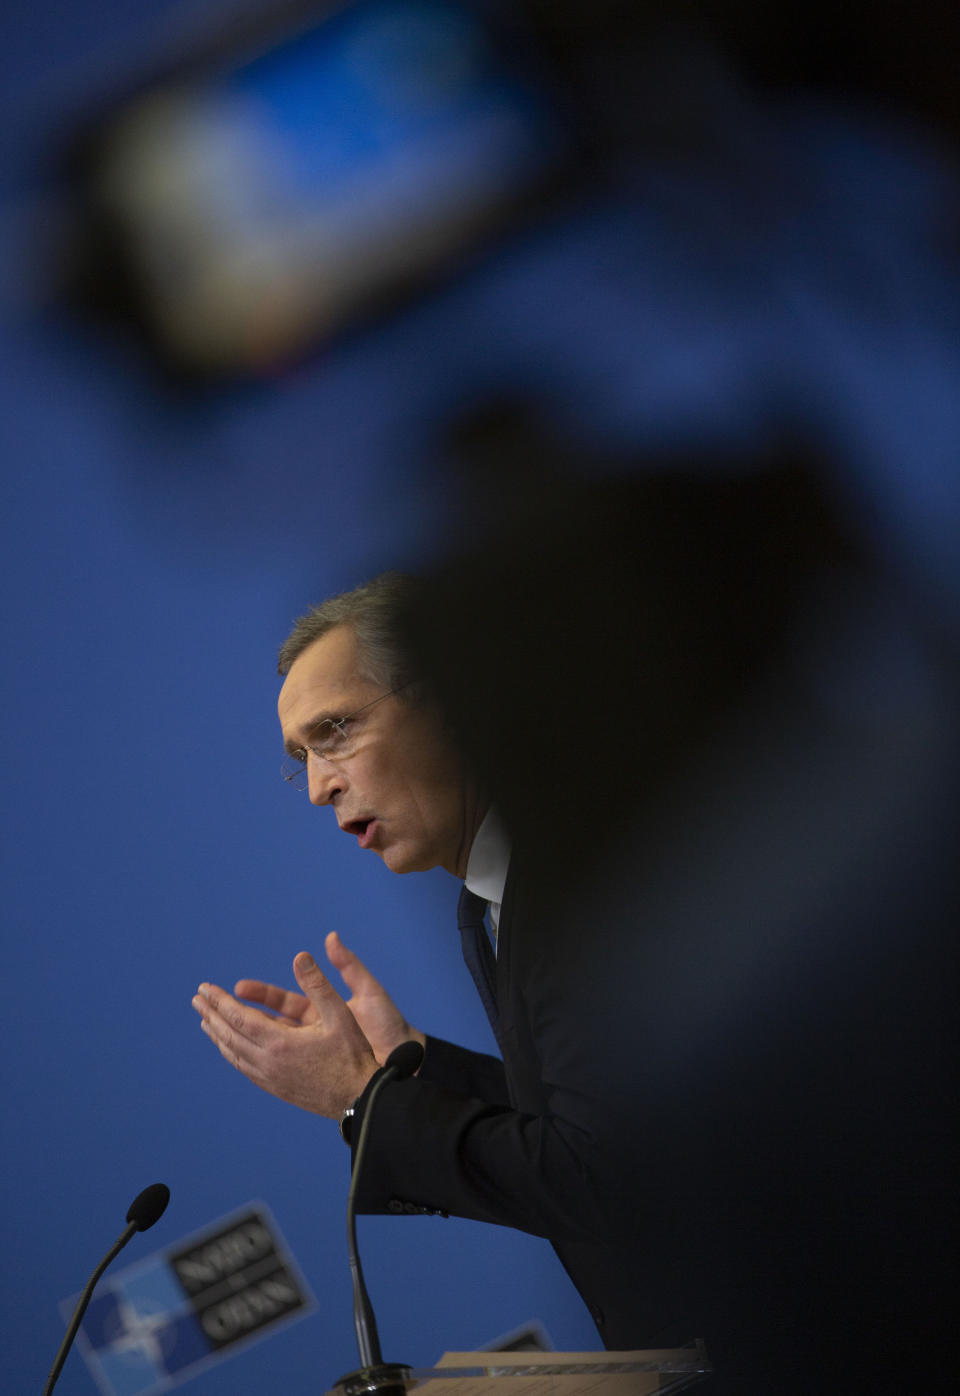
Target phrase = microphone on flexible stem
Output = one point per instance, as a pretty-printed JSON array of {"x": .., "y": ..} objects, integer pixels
[
  {"x": 145, "y": 1209},
  {"x": 374, "y": 1375}
]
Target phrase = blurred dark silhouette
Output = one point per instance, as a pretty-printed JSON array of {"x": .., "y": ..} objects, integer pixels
[{"x": 725, "y": 742}]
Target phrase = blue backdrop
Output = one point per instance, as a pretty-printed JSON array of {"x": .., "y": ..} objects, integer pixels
[
  {"x": 155, "y": 551},
  {"x": 151, "y": 844}
]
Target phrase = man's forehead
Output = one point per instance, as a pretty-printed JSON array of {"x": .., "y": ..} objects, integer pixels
[{"x": 322, "y": 679}]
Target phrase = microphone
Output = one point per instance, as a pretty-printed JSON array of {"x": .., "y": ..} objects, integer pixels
[
  {"x": 405, "y": 1060},
  {"x": 374, "y": 1375},
  {"x": 145, "y": 1209},
  {"x": 148, "y": 1207}
]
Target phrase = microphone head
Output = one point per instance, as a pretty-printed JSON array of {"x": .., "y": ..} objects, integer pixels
[
  {"x": 149, "y": 1206},
  {"x": 405, "y": 1059}
]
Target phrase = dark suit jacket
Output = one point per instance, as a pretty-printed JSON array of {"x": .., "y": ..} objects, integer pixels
[
  {"x": 535, "y": 1142},
  {"x": 731, "y": 1053}
]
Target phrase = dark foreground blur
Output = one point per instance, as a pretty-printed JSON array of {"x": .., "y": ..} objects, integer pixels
[{"x": 725, "y": 740}]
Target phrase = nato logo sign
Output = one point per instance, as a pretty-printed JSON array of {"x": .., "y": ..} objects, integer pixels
[{"x": 160, "y": 1321}]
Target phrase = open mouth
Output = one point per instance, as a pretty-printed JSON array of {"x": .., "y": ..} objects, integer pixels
[
  {"x": 365, "y": 835},
  {"x": 362, "y": 828}
]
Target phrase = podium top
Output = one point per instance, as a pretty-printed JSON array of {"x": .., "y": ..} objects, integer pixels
[{"x": 649, "y": 1372}]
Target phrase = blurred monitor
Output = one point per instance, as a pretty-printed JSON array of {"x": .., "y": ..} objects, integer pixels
[{"x": 247, "y": 211}]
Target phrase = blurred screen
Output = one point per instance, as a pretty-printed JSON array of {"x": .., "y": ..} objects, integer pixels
[{"x": 264, "y": 207}]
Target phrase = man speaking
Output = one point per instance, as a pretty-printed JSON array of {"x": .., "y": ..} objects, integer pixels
[
  {"x": 534, "y": 1141},
  {"x": 718, "y": 956}
]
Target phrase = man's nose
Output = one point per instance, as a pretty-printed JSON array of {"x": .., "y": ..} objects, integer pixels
[{"x": 324, "y": 780}]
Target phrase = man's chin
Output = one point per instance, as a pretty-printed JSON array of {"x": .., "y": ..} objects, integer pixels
[{"x": 405, "y": 860}]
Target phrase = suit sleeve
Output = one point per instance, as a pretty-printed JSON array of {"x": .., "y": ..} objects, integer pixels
[
  {"x": 432, "y": 1149},
  {"x": 460, "y": 1070},
  {"x": 540, "y": 1155}
]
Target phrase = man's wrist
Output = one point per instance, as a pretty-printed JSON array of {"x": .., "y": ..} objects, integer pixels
[{"x": 350, "y": 1110}]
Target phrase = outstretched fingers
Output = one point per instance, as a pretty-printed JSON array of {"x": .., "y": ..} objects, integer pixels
[
  {"x": 237, "y": 1030},
  {"x": 286, "y": 1002}
]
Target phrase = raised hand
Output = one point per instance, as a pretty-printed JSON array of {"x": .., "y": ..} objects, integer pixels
[
  {"x": 380, "y": 1021},
  {"x": 315, "y": 1056}
]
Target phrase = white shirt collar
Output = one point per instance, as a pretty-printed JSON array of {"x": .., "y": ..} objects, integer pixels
[{"x": 488, "y": 863}]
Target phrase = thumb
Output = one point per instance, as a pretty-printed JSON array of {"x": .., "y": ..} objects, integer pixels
[
  {"x": 353, "y": 971},
  {"x": 313, "y": 981}
]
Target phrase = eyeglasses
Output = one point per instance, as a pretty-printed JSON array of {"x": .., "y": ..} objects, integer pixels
[{"x": 331, "y": 740}]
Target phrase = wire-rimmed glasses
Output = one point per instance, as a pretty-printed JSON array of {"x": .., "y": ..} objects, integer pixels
[{"x": 331, "y": 740}]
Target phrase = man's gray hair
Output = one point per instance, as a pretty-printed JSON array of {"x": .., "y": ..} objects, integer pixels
[{"x": 374, "y": 613}]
